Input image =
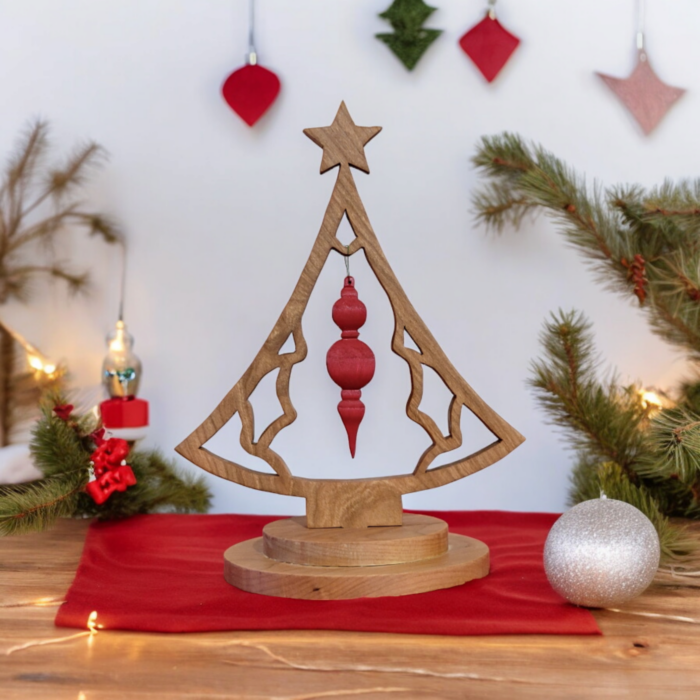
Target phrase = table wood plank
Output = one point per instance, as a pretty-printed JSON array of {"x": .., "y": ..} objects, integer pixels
[{"x": 650, "y": 649}]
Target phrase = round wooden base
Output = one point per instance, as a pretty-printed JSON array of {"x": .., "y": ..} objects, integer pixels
[
  {"x": 247, "y": 567},
  {"x": 420, "y": 537}
]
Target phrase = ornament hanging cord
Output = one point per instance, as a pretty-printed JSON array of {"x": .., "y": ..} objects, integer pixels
[
  {"x": 252, "y": 57},
  {"x": 492, "y": 9},
  {"x": 347, "y": 260},
  {"x": 122, "y": 291}
]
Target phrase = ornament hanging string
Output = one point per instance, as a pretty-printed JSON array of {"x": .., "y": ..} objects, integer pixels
[
  {"x": 492, "y": 9},
  {"x": 347, "y": 260},
  {"x": 251, "y": 90},
  {"x": 122, "y": 291},
  {"x": 252, "y": 57}
]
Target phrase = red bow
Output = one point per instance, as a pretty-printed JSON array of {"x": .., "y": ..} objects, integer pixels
[
  {"x": 111, "y": 470},
  {"x": 112, "y": 480},
  {"x": 109, "y": 454}
]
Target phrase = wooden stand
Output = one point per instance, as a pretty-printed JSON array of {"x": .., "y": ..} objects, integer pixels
[{"x": 293, "y": 561}]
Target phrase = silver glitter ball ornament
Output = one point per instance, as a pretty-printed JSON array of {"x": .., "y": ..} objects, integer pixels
[{"x": 601, "y": 553}]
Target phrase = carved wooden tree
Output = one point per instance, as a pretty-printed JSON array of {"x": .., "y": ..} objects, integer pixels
[{"x": 353, "y": 503}]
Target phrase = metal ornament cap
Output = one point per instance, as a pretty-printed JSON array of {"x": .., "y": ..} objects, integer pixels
[{"x": 601, "y": 553}]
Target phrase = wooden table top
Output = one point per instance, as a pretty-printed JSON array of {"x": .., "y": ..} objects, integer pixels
[{"x": 650, "y": 649}]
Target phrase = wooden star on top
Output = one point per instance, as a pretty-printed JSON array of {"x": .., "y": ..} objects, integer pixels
[
  {"x": 343, "y": 142},
  {"x": 645, "y": 95}
]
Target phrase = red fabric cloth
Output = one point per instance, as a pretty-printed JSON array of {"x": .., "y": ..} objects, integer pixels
[{"x": 164, "y": 573}]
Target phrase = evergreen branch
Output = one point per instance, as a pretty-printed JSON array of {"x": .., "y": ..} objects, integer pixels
[
  {"x": 56, "y": 446},
  {"x": 36, "y": 506},
  {"x": 75, "y": 169},
  {"x": 676, "y": 435},
  {"x": 602, "y": 421},
  {"x": 62, "y": 450},
  {"x": 519, "y": 171},
  {"x": 43, "y": 229},
  {"x": 641, "y": 242},
  {"x": 22, "y": 167},
  {"x": 28, "y": 179}
]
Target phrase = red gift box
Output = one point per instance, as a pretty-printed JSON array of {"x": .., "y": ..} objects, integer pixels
[{"x": 124, "y": 412}]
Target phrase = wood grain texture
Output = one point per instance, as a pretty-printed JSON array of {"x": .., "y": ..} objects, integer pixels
[
  {"x": 649, "y": 651},
  {"x": 247, "y": 568},
  {"x": 418, "y": 537},
  {"x": 343, "y": 145}
]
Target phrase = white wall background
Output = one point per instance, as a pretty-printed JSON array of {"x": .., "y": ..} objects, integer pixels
[{"x": 220, "y": 218}]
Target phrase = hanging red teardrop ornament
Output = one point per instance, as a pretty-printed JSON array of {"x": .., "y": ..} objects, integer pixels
[
  {"x": 250, "y": 91},
  {"x": 350, "y": 362}
]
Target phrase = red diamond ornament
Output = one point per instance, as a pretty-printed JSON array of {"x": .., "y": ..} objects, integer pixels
[
  {"x": 489, "y": 45},
  {"x": 250, "y": 91}
]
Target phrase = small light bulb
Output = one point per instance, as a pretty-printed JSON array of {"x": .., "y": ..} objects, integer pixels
[
  {"x": 654, "y": 401},
  {"x": 651, "y": 399},
  {"x": 35, "y": 362}
]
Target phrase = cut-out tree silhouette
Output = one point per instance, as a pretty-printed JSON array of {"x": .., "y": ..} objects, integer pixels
[
  {"x": 354, "y": 502},
  {"x": 410, "y": 39}
]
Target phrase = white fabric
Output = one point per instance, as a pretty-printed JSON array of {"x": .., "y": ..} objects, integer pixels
[{"x": 16, "y": 465}]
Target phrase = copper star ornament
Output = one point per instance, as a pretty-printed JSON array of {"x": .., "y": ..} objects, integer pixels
[
  {"x": 645, "y": 95},
  {"x": 343, "y": 142}
]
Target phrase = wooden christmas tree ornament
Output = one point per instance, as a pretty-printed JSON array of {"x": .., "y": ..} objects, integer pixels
[{"x": 355, "y": 540}]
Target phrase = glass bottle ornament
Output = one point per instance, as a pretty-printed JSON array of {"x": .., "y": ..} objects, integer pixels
[
  {"x": 121, "y": 369},
  {"x": 123, "y": 414}
]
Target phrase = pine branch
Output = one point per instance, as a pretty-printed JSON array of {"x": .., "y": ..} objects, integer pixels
[
  {"x": 56, "y": 446},
  {"x": 676, "y": 435},
  {"x": 601, "y": 420},
  {"x": 637, "y": 242},
  {"x": 22, "y": 166},
  {"x": 75, "y": 170},
  {"x": 29, "y": 185},
  {"x": 36, "y": 506}
]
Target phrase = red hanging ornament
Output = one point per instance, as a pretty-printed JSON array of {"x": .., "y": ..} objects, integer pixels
[
  {"x": 489, "y": 45},
  {"x": 350, "y": 362},
  {"x": 251, "y": 90}
]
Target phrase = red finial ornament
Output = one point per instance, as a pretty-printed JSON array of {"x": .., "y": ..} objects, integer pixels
[{"x": 349, "y": 361}]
